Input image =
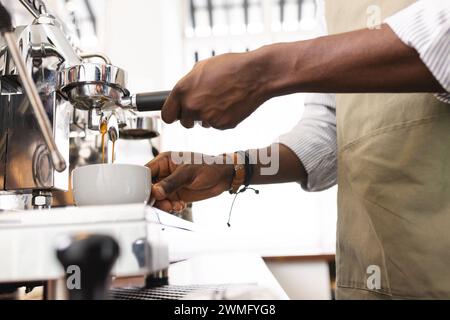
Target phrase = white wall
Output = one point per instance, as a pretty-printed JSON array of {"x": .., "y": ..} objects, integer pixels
[{"x": 143, "y": 37}]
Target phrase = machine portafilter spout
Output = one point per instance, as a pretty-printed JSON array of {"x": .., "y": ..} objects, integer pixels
[{"x": 7, "y": 31}]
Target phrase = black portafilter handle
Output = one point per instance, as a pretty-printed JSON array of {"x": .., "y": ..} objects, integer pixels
[
  {"x": 90, "y": 258},
  {"x": 151, "y": 101}
]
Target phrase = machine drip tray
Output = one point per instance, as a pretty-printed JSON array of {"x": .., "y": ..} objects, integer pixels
[{"x": 172, "y": 292}]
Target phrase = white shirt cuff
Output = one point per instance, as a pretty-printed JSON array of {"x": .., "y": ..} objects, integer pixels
[{"x": 313, "y": 140}]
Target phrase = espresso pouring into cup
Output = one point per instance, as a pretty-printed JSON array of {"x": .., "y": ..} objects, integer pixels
[
  {"x": 109, "y": 183},
  {"x": 96, "y": 87}
]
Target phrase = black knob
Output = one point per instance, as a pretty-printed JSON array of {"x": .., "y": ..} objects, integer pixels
[{"x": 88, "y": 261}]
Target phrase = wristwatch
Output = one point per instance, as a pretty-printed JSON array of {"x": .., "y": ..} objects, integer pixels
[{"x": 239, "y": 173}]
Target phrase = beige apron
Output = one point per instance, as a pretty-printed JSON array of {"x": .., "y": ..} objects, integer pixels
[{"x": 394, "y": 183}]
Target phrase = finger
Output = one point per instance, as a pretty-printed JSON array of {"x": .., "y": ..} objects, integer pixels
[
  {"x": 188, "y": 115},
  {"x": 181, "y": 177},
  {"x": 177, "y": 206},
  {"x": 158, "y": 193},
  {"x": 164, "y": 205},
  {"x": 187, "y": 123},
  {"x": 204, "y": 124},
  {"x": 171, "y": 108},
  {"x": 160, "y": 166},
  {"x": 154, "y": 165}
]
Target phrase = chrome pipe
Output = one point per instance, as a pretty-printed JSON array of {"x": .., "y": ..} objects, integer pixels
[
  {"x": 88, "y": 55},
  {"x": 44, "y": 124}
]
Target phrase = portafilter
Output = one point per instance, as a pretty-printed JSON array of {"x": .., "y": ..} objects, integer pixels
[{"x": 91, "y": 86}]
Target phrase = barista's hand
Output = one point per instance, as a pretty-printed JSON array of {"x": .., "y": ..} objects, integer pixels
[
  {"x": 224, "y": 90},
  {"x": 178, "y": 184},
  {"x": 220, "y": 92}
]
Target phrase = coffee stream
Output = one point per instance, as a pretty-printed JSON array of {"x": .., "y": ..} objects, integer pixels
[
  {"x": 113, "y": 156},
  {"x": 103, "y": 131}
]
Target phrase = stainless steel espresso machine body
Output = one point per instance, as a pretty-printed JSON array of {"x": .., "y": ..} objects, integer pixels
[
  {"x": 53, "y": 98},
  {"x": 27, "y": 163},
  {"x": 75, "y": 94}
]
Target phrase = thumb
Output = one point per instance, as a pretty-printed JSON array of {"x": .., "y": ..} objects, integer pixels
[{"x": 181, "y": 177}]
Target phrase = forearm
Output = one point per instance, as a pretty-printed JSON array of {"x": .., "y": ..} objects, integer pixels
[
  {"x": 355, "y": 62},
  {"x": 278, "y": 164}
]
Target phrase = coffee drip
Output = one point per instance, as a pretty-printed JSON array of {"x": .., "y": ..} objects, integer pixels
[
  {"x": 112, "y": 135},
  {"x": 103, "y": 130}
]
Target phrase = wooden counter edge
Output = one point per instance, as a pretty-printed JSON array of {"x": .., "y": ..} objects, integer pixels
[{"x": 301, "y": 258}]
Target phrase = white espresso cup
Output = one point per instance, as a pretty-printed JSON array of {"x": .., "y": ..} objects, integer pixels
[{"x": 110, "y": 184}]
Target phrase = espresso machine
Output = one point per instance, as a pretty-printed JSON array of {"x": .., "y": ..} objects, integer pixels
[
  {"x": 53, "y": 99},
  {"x": 52, "y": 91}
]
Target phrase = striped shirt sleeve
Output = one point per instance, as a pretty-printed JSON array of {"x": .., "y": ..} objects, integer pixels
[
  {"x": 313, "y": 140},
  {"x": 425, "y": 26}
]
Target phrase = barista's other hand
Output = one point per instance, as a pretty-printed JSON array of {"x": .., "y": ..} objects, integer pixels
[
  {"x": 219, "y": 92},
  {"x": 176, "y": 183}
]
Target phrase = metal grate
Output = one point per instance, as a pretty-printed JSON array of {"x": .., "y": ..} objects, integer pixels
[{"x": 168, "y": 292}]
